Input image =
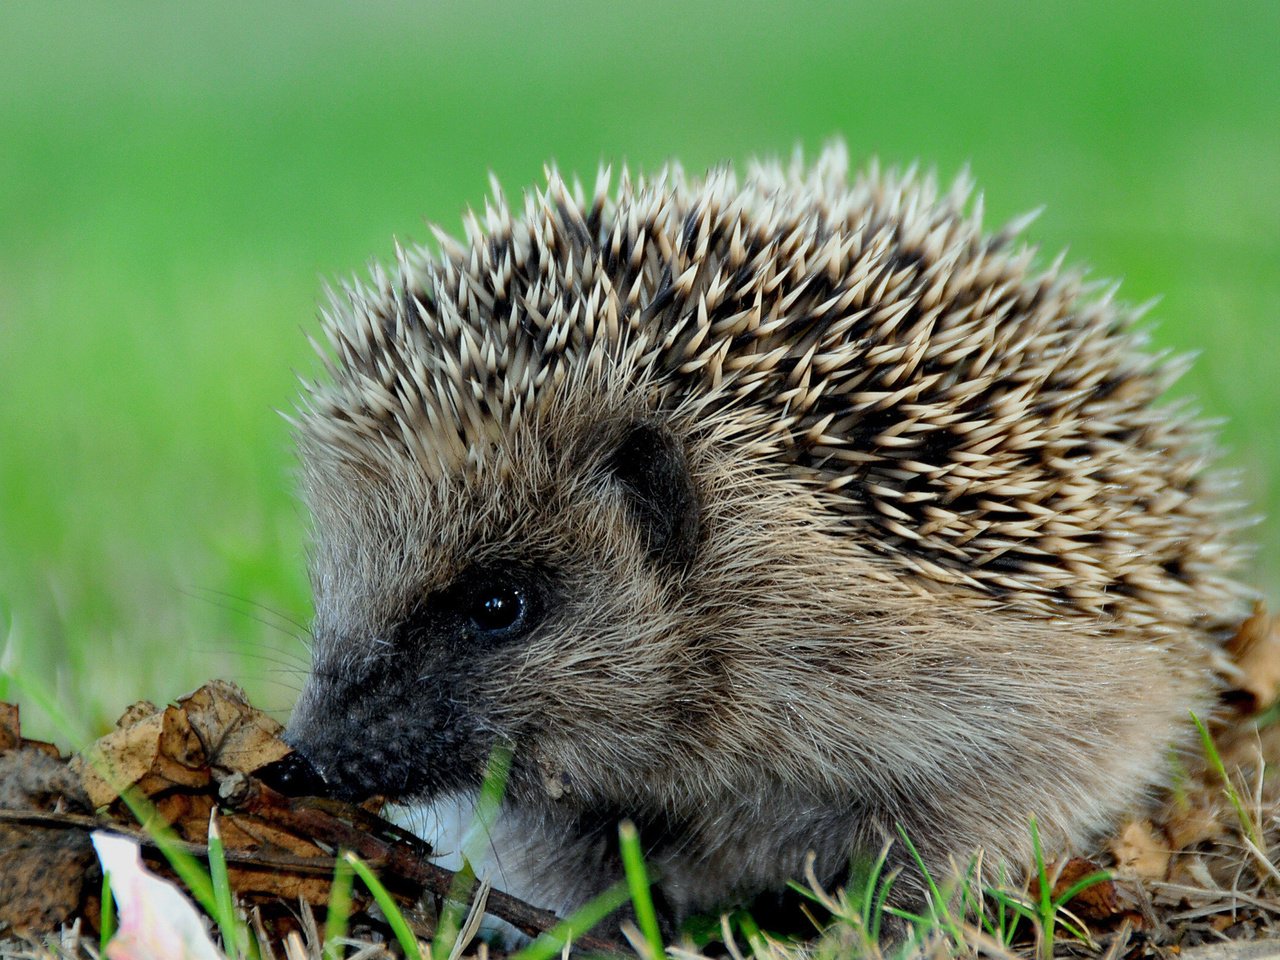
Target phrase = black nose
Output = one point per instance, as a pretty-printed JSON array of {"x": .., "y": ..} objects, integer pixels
[{"x": 294, "y": 776}]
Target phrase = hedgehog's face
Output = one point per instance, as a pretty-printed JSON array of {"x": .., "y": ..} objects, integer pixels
[{"x": 536, "y": 601}]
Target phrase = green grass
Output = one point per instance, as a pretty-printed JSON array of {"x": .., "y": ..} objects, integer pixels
[
  {"x": 176, "y": 181},
  {"x": 638, "y": 884}
]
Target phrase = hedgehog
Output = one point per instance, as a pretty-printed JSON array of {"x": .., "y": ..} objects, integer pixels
[{"x": 784, "y": 517}]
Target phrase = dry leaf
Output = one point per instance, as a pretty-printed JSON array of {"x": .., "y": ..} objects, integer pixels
[
  {"x": 1195, "y": 821},
  {"x": 1256, "y": 651},
  {"x": 181, "y": 746},
  {"x": 42, "y": 868},
  {"x": 152, "y": 753},
  {"x": 139, "y": 710},
  {"x": 1140, "y": 852},
  {"x": 10, "y": 735},
  {"x": 188, "y": 813},
  {"x": 235, "y": 735},
  {"x": 1098, "y": 901}
]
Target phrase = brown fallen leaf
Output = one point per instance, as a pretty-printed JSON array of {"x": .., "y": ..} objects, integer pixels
[
  {"x": 136, "y": 711},
  {"x": 11, "y": 737},
  {"x": 235, "y": 735},
  {"x": 1098, "y": 901},
  {"x": 1196, "y": 819},
  {"x": 1255, "y": 648},
  {"x": 42, "y": 869},
  {"x": 1140, "y": 852},
  {"x": 155, "y": 750},
  {"x": 152, "y": 754}
]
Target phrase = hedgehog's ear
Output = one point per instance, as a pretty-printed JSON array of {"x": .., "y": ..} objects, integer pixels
[{"x": 650, "y": 464}]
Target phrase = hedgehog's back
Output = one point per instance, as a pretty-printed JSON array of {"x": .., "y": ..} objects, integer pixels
[{"x": 988, "y": 426}]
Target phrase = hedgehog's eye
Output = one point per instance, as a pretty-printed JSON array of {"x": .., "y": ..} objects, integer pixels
[
  {"x": 499, "y": 609},
  {"x": 491, "y": 604}
]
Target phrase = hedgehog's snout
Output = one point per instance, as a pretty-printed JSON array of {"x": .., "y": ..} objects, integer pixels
[
  {"x": 353, "y": 758},
  {"x": 392, "y": 729},
  {"x": 328, "y": 760}
]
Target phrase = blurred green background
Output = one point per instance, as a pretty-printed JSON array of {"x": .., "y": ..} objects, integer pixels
[{"x": 177, "y": 180}]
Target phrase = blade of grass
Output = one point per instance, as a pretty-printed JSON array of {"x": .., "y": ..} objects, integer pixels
[
  {"x": 234, "y": 936},
  {"x": 880, "y": 883},
  {"x": 489, "y": 802},
  {"x": 638, "y": 886},
  {"x": 108, "y": 922},
  {"x": 755, "y": 937},
  {"x": 449, "y": 924},
  {"x": 1084, "y": 883},
  {"x": 1247, "y": 826},
  {"x": 1001, "y": 921},
  {"x": 1044, "y": 908},
  {"x": 339, "y": 908},
  {"x": 193, "y": 876},
  {"x": 581, "y": 921},
  {"x": 475, "y": 845},
  {"x": 475, "y": 918},
  {"x": 1051, "y": 912},
  {"x": 941, "y": 915},
  {"x": 387, "y": 904}
]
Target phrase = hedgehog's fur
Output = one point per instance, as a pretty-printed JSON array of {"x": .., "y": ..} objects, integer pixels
[{"x": 844, "y": 515}]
